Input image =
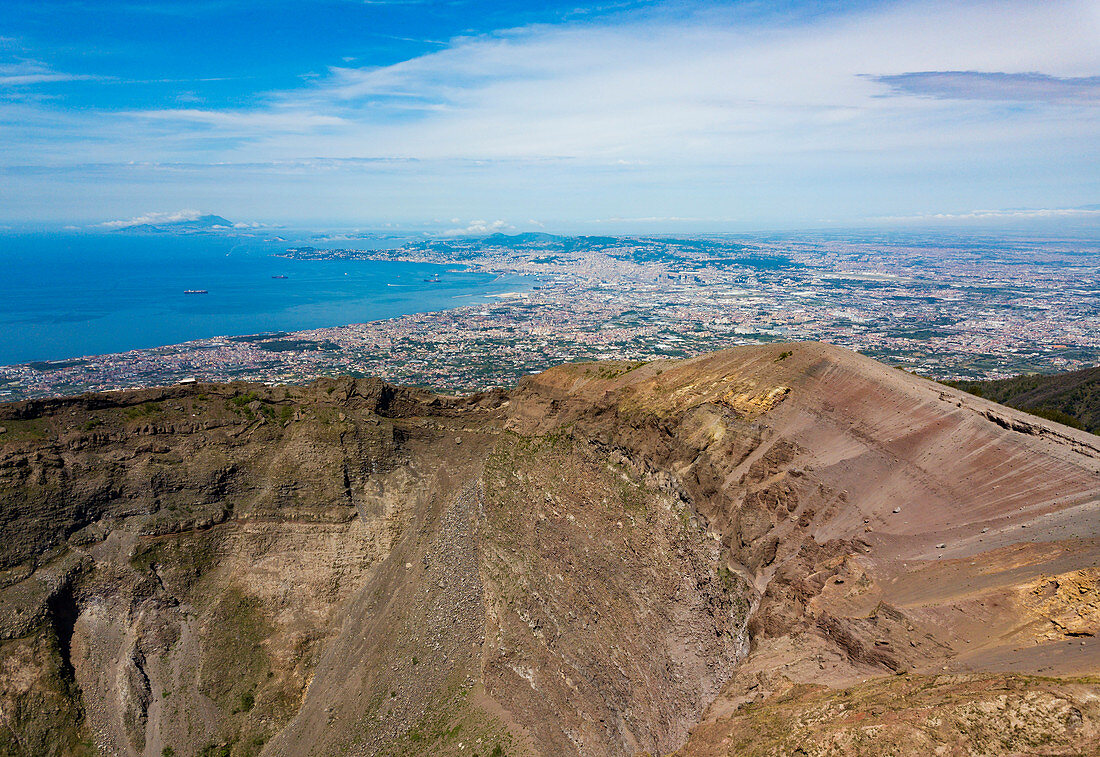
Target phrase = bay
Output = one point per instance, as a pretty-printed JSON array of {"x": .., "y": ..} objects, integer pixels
[{"x": 72, "y": 295}]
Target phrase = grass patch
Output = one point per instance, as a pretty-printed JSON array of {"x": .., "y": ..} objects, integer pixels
[
  {"x": 142, "y": 411},
  {"x": 47, "y": 718},
  {"x": 183, "y": 559},
  {"x": 607, "y": 372},
  {"x": 244, "y": 399},
  {"x": 234, "y": 660},
  {"x": 33, "y": 429}
]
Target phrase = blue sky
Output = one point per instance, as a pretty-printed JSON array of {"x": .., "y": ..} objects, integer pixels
[{"x": 461, "y": 116}]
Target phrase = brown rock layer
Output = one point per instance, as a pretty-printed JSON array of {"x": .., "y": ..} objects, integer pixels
[{"x": 768, "y": 550}]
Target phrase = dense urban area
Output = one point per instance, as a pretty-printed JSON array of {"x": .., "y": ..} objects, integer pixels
[{"x": 955, "y": 309}]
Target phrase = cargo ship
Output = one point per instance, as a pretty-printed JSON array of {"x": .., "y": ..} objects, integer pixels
[{"x": 195, "y": 291}]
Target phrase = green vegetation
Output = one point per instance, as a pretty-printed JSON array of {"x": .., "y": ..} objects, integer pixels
[
  {"x": 734, "y": 587},
  {"x": 44, "y": 366},
  {"x": 1071, "y": 398},
  {"x": 726, "y": 577},
  {"x": 243, "y": 400},
  {"x": 47, "y": 718},
  {"x": 784, "y": 355},
  {"x": 611, "y": 370},
  {"x": 298, "y": 345},
  {"x": 234, "y": 667},
  {"x": 235, "y": 661},
  {"x": 1057, "y": 416},
  {"x": 183, "y": 559},
  {"x": 242, "y": 406},
  {"x": 33, "y": 429},
  {"x": 257, "y": 337},
  {"x": 143, "y": 560},
  {"x": 451, "y": 718},
  {"x": 142, "y": 411}
]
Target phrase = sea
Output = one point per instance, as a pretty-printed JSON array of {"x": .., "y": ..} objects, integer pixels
[{"x": 69, "y": 295}]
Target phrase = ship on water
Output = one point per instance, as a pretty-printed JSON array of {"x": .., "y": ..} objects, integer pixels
[
  {"x": 279, "y": 277},
  {"x": 195, "y": 291}
]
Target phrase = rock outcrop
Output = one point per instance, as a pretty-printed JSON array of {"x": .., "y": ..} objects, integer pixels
[{"x": 769, "y": 550}]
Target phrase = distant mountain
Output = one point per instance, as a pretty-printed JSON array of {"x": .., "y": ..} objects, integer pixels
[
  {"x": 516, "y": 240},
  {"x": 1071, "y": 398},
  {"x": 199, "y": 224}
]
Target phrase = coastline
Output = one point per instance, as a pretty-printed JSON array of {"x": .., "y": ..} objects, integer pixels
[
  {"x": 78, "y": 297},
  {"x": 644, "y": 299}
]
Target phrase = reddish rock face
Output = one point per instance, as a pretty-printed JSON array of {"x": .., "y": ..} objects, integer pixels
[{"x": 759, "y": 551}]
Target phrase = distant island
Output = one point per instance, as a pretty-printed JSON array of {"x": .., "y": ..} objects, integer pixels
[{"x": 172, "y": 224}]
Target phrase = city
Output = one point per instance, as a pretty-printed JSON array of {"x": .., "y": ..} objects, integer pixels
[{"x": 942, "y": 308}]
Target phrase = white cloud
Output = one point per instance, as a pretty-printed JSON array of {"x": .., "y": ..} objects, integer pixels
[
  {"x": 695, "y": 115},
  {"x": 636, "y": 93},
  {"x": 478, "y": 228},
  {"x": 704, "y": 90},
  {"x": 25, "y": 73},
  {"x": 154, "y": 218}
]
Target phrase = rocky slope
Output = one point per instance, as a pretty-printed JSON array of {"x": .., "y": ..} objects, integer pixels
[{"x": 769, "y": 550}]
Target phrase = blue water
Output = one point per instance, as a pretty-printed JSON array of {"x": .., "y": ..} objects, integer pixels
[{"x": 71, "y": 295}]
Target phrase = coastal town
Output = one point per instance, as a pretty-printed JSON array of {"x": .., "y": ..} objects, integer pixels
[{"x": 942, "y": 309}]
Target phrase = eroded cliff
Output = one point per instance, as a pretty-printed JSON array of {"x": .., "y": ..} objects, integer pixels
[{"x": 763, "y": 550}]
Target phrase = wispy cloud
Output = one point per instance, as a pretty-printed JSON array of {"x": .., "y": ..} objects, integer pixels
[
  {"x": 698, "y": 90},
  {"x": 247, "y": 122},
  {"x": 976, "y": 85},
  {"x": 702, "y": 114},
  {"x": 642, "y": 93},
  {"x": 654, "y": 219},
  {"x": 29, "y": 72},
  {"x": 1014, "y": 214}
]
